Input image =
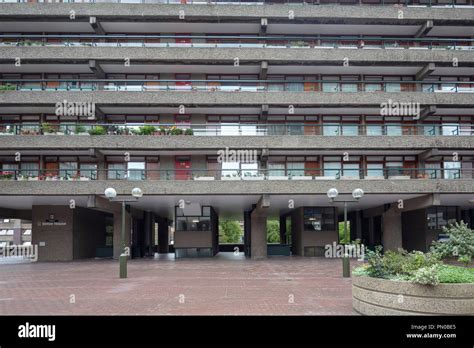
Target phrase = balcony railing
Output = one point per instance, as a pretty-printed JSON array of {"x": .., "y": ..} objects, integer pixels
[
  {"x": 241, "y": 129},
  {"x": 290, "y": 85},
  {"x": 393, "y": 173},
  {"x": 415, "y": 3},
  {"x": 243, "y": 41}
]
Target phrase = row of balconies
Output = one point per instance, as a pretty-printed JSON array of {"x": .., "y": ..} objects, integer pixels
[
  {"x": 327, "y": 86},
  {"x": 231, "y": 41},
  {"x": 239, "y": 129},
  {"x": 252, "y": 173}
]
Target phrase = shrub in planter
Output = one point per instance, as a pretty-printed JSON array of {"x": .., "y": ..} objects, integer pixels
[
  {"x": 176, "y": 131},
  {"x": 460, "y": 243},
  {"x": 427, "y": 275},
  {"x": 98, "y": 130},
  {"x": 188, "y": 131},
  {"x": 163, "y": 130},
  {"x": 46, "y": 128},
  {"x": 80, "y": 129},
  {"x": 146, "y": 130}
]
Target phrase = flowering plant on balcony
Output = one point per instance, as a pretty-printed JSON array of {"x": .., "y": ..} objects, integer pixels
[{"x": 6, "y": 175}]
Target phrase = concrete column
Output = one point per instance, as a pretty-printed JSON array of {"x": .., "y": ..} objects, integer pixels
[
  {"x": 392, "y": 229},
  {"x": 247, "y": 227},
  {"x": 163, "y": 236},
  {"x": 148, "y": 229},
  {"x": 118, "y": 231},
  {"x": 258, "y": 222}
]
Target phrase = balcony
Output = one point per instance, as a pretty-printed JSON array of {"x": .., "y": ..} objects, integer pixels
[
  {"x": 242, "y": 129},
  {"x": 242, "y": 41},
  {"x": 253, "y": 86},
  {"x": 313, "y": 174}
]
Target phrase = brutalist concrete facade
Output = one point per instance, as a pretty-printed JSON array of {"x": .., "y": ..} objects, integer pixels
[{"x": 71, "y": 219}]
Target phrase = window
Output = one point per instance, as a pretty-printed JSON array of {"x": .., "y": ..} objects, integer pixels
[
  {"x": 375, "y": 169},
  {"x": 319, "y": 219},
  {"x": 67, "y": 169},
  {"x": 200, "y": 222},
  {"x": 88, "y": 170},
  {"x": 439, "y": 217},
  {"x": 350, "y": 169},
  {"x": 374, "y": 129},
  {"x": 136, "y": 170},
  {"x": 332, "y": 169},
  {"x": 31, "y": 169},
  {"x": 276, "y": 169},
  {"x": 116, "y": 171},
  {"x": 331, "y": 130},
  {"x": 295, "y": 168},
  {"x": 452, "y": 170}
]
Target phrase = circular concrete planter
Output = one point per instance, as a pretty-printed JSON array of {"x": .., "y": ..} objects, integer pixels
[{"x": 374, "y": 296}]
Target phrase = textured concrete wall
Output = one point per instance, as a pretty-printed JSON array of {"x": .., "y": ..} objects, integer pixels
[
  {"x": 345, "y": 14},
  {"x": 371, "y": 296},
  {"x": 271, "y": 55},
  {"x": 392, "y": 229},
  {"x": 192, "y": 187},
  {"x": 213, "y": 144},
  {"x": 58, "y": 239},
  {"x": 42, "y": 98}
]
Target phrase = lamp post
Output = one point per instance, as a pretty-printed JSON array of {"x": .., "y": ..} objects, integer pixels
[
  {"x": 357, "y": 194},
  {"x": 111, "y": 194}
]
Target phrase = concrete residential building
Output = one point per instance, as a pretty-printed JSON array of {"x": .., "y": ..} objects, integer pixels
[{"x": 244, "y": 110}]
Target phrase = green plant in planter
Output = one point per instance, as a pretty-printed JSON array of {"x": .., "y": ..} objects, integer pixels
[
  {"x": 460, "y": 243},
  {"x": 146, "y": 130},
  {"x": 188, "y": 131},
  {"x": 80, "y": 129},
  {"x": 7, "y": 87},
  {"x": 97, "y": 130},
  {"x": 176, "y": 131},
  {"x": 163, "y": 130},
  {"x": 47, "y": 128}
]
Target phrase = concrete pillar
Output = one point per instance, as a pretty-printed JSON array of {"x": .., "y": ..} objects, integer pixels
[
  {"x": 148, "y": 229},
  {"x": 118, "y": 231},
  {"x": 247, "y": 226},
  {"x": 163, "y": 236},
  {"x": 258, "y": 223},
  {"x": 392, "y": 229}
]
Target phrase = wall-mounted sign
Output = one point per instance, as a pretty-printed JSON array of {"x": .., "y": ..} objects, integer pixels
[{"x": 52, "y": 221}]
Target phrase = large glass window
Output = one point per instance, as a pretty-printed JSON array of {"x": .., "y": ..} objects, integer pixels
[
  {"x": 439, "y": 217},
  {"x": 276, "y": 169},
  {"x": 67, "y": 169},
  {"x": 350, "y": 130},
  {"x": 29, "y": 169},
  {"x": 350, "y": 169},
  {"x": 332, "y": 168},
  {"x": 319, "y": 219},
  {"x": 88, "y": 170},
  {"x": 375, "y": 169},
  {"x": 198, "y": 222},
  {"x": 452, "y": 170},
  {"x": 394, "y": 168},
  {"x": 136, "y": 171},
  {"x": 374, "y": 129},
  {"x": 331, "y": 129},
  {"x": 116, "y": 171},
  {"x": 295, "y": 168},
  {"x": 394, "y": 129}
]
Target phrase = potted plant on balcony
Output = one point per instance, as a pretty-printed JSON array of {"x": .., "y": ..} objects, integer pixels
[
  {"x": 176, "y": 131},
  {"x": 80, "y": 130},
  {"x": 163, "y": 130},
  {"x": 147, "y": 130},
  {"x": 188, "y": 131},
  {"x": 6, "y": 175},
  {"x": 98, "y": 130},
  {"x": 46, "y": 128}
]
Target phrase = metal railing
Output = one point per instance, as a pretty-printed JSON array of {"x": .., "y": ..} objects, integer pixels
[
  {"x": 392, "y": 173},
  {"x": 230, "y": 41},
  {"x": 238, "y": 129},
  {"x": 192, "y": 85},
  {"x": 415, "y": 3}
]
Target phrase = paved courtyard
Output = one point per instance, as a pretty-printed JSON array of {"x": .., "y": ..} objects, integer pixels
[{"x": 224, "y": 285}]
